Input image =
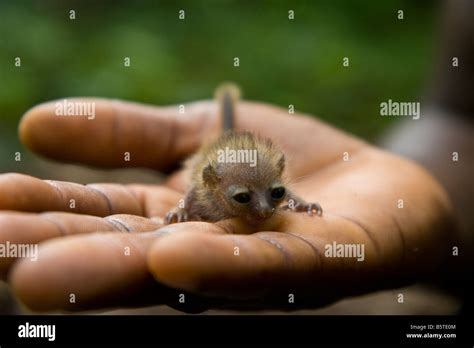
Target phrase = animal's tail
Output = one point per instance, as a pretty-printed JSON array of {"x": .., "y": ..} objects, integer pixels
[{"x": 227, "y": 95}]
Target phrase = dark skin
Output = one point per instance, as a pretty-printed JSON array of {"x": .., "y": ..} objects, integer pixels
[{"x": 82, "y": 251}]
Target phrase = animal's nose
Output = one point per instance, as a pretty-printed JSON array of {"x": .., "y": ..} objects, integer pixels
[{"x": 266, "y": 212}]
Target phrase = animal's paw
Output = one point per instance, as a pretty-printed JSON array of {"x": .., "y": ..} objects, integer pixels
[
  {"x": 176, "y": 215},
  {"x": 314, "y": 208}
]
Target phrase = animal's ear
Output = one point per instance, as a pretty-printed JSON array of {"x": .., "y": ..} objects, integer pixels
[
  {"x": 209, "y": 175},
  {"x": 281, "y": 163}
]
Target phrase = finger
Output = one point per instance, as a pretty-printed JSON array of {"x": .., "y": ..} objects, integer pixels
[
  {"x": 77, "y": 270},
  {"x": 131, "y": 134},
  {"x": 127, "y": 134},
  {"x": 25, "y": 193},
  {"x": 156, "y": 201},
  {"x": 97, "y": 269},
  {"x": 265, "y": 263},
  {"x": 23, "y": 231}
]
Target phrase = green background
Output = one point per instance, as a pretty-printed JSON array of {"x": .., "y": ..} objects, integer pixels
[{"x": 282, "y": 61}]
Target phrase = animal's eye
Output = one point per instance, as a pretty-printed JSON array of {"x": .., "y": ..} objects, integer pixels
[
  {"x": 278, "y": 192},
  {"x": 242, "y": 197}
]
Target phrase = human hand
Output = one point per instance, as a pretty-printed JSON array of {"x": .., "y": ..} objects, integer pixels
[{"x": 82, "y": 251}]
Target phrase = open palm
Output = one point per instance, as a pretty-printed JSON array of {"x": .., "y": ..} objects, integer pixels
[{"x": 110, "y": 247}]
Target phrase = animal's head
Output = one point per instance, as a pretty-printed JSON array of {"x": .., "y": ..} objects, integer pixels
[{"x": 248, "y": 180}]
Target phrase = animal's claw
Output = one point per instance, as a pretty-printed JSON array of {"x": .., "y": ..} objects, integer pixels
[
  {"x": 314, "y": 208},
  {"x": 176, "y": 215}
]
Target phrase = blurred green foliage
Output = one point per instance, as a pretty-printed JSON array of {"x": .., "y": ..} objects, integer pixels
[{"x": 282, "y": 61}]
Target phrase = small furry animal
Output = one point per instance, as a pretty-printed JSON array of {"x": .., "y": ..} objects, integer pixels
[{"x": 238, "y": 175}]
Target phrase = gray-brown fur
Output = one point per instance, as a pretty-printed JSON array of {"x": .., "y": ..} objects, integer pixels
[{"x": 218, "y": 186}]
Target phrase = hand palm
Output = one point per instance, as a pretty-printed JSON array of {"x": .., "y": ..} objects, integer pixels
[{"x": 389, "y": 205}]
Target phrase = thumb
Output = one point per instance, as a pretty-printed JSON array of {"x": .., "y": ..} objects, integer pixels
[{"x": 116, "y": 133}]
